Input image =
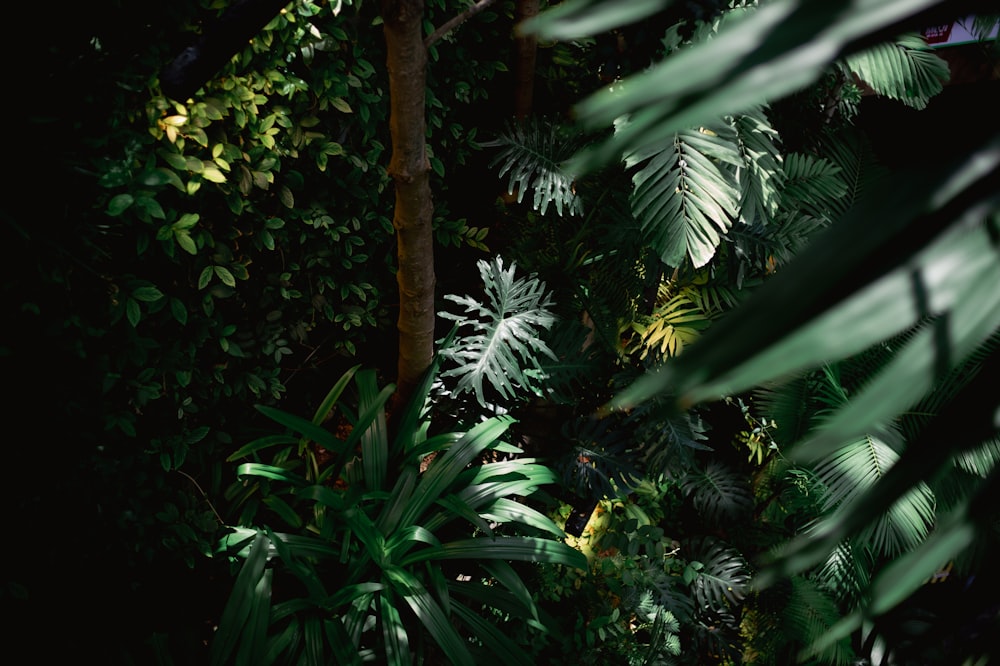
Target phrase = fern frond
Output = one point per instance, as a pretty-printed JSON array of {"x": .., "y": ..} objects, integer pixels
[
  {"x": 685, "y": 194},
  {"x": 504, "y": 346},
  {"x": 531, "y": 155},
  {"x": 906, "y": 70}
]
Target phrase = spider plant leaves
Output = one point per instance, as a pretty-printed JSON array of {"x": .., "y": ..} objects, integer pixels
[
  {"x": 239, "y": 608},
  {"x": 260, "y": 444},
  {"x": 504, "y": 574},
  {"x": 504, "y": 345},
  {"x": 498, "y": 646},
  {"x": 333, "y": 395},
  {"x": 271, "y": 472},
  {"x": 522, "y": 548},
  {"x": 905, "y": 69},
  {"x": 394, "y": 635},
  {"x": 430, "y": 614},
  {"x": 444, "y": 471},
  {"x": 508, "y": 511},
  {"x": 374, "y": 431},
  {"x": 311, "y": 431}
]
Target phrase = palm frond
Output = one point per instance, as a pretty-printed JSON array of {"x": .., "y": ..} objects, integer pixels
[
  {"x": 905, "y": 69},
  {"x": 760, "y": 177},
  {"x": 809, "y": 615},
  {"x": 672, "y": 325},
  {"x": 846, "y": 573},
  {"x": 531, "y": 156},
  {"x": 984, "y": 26},
  {"x": 854, "y": 469},
  {"x": 787, "y": 404},
  {"x": 813, "y": 185},
  {"x": 860, "y": 170},
  {"x": 504, "y": 346},
  {"x": 685, "y": 192}
]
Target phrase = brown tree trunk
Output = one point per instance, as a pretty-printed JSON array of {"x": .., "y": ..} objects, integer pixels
[
  {"x": 525, "y": 50},
  {"x": 409, "y": 168}
]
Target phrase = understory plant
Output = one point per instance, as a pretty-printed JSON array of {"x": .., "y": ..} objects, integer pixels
[{"x": 359, "y": 545}]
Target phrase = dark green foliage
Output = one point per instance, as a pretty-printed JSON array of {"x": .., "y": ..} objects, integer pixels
[{"x": 394, "y": 543}]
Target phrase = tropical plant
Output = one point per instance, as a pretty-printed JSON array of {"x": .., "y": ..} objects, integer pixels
[
  {"x": 358, "y": 546},
  {"x": 921, "y": 269},
  {"x": 504, "y": 347}
]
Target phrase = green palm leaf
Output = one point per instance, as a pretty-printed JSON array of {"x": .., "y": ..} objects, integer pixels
[
  {"x": 676, "y": 323},
  {"x": 906, "y": 70},
  {"x": 685, "y": 192},
  {"x": 761, "y": 177},
  {"x": 813, "y": 185},
  {"x": 853, "y": 470},
  {"x": 809, "y": 615},
  {"x": 528, "y": 549},
  {"x": 531, "y": 155},
  {"x": 738, "y": 69}
]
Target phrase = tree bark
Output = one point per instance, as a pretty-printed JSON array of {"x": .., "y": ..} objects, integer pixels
[
  {"x": 406, "y": 60},
  {"x": 525, "y": 50}
]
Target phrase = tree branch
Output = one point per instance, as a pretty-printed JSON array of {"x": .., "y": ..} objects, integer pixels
[{"x": 456, "y": 21}]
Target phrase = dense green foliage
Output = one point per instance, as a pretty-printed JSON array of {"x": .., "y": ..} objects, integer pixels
[{"x": 719, "y": 357}]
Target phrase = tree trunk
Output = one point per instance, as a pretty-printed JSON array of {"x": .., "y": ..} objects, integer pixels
[
  {"x": 409, "y": 168},
  {"x": 525, "y": 49}
]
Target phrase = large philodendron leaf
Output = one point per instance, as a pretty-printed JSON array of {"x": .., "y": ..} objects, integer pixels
[
  {"x": 505, "y": 345},
  {"x": 905, "y": 69},
  {"x": 685, "y": 192}
]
